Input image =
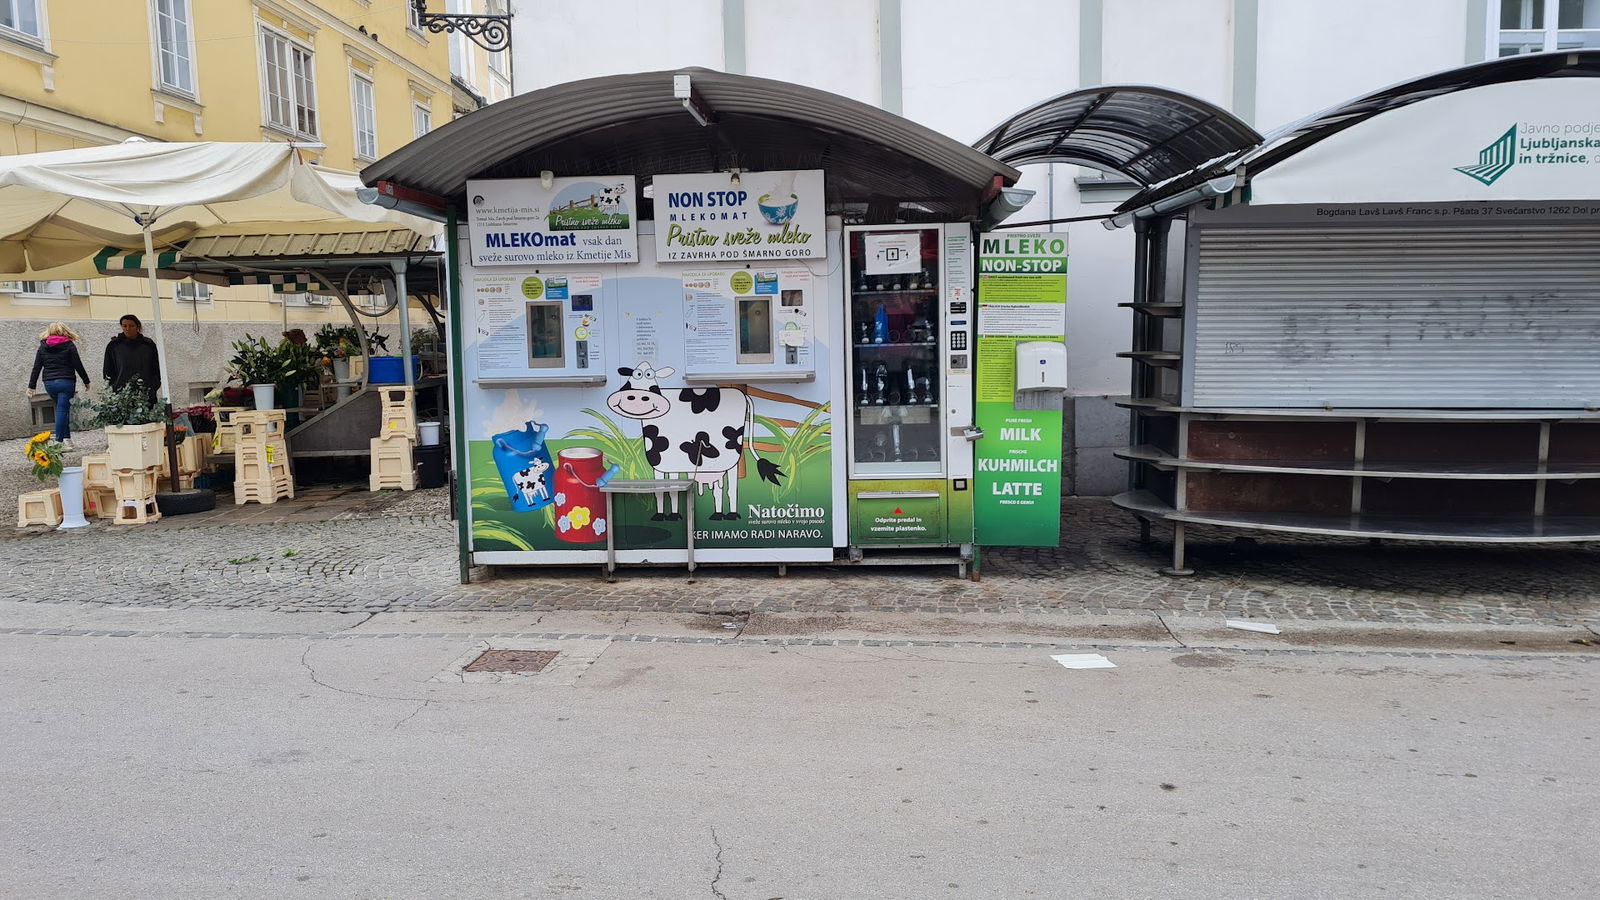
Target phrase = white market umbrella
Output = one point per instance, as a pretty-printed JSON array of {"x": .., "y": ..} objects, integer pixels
[{"x": 59, "y": 209}]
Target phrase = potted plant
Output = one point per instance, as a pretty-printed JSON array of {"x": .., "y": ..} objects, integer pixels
[
  {"x": 425, "y": 347},
  {"x": 49, "y": 462},
  {"x": 134, "y": 425},
  {"x": 299, "y": 369},
  {"x": 202, "y": 418},
  {"x": 259, "y": 365},
  {"x": 340, "y": 345}
]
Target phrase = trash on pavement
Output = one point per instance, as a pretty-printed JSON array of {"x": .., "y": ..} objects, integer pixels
[
  {"x": 1084, "y": 661},
  {"x": 1242, "y": 625}
]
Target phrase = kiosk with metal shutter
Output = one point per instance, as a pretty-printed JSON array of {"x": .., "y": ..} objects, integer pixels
[{"x": 1387, "y": 319}]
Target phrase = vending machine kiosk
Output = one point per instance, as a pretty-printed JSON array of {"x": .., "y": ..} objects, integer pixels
[{"x": 908, "y": 367}]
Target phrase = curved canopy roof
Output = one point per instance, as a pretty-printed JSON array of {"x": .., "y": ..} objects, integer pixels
[
  {"x": 634, "y": 124},
  {"x": 1148, "y": 134},
  {"x": 1297, "y": 136}
]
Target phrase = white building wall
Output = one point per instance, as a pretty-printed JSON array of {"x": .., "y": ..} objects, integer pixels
[
  {"x": 1314, "y": 54},
  {"x": 831, "y": 45},
  {"x": 1182, "y": 44},
  {"x": 557, "y": 42},
  {"x": 963, "y": 88}
]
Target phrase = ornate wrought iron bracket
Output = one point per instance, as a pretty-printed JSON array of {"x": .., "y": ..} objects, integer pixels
[{"x": 492, "y": 33}]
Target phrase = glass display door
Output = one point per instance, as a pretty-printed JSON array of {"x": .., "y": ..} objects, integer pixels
[{"x": 896, "y": 416}]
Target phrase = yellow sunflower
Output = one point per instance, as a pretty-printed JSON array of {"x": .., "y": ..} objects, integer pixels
[
  {"x": 41, "y": 458},
  {"x": 40, "y": 438}
]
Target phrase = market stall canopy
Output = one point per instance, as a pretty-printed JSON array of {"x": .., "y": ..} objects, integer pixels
[
  {"x": 634, "y": 124},
  {"x": 1147, "y": 134},
  {"x": 1451, "y": 123},
  {"x": 59, "y": 209}
]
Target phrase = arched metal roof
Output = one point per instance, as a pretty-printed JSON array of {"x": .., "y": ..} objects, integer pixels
[
  {"x": 1148, "y": 134},
  {"x": 1285, "y": 142},
  {"x": 634, "y": 124}
]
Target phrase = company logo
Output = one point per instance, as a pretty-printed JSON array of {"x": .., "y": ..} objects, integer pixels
[{"x": 1494, "y": 160}]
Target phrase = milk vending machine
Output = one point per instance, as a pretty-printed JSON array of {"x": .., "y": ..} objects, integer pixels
[{"x": 908, "y": 364}]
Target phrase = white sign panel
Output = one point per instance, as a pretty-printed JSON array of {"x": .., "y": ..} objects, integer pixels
[
  {"x": 766, "y": 215},
  {"x": 520, "y": 222},
  {"x": 892, "y": 253},
  {"x": 1524, "y": 140}
]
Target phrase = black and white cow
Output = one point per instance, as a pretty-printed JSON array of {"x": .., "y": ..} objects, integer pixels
[
  {"x": 612, "y": 197},
  {"x": 696, "y": 432},
  {"x": 530, "y": 482}
]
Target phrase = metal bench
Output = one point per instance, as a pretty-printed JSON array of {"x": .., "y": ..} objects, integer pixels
[{"x": 647, "y": 486}]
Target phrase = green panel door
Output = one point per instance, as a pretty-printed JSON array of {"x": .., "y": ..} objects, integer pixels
[{"x": 900, "y": 513}]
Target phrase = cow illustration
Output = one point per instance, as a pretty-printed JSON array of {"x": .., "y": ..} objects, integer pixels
[
  {"x": 531, "y": 484},
  {"x": 612, "y": 197},
  {"x": 695, "y": 432}
]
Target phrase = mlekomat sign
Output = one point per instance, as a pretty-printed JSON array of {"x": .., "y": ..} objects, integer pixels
[{"x": 520, "y": 221}]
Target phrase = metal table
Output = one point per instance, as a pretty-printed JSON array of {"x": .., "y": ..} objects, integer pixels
[{"x": 646, "y": 486}]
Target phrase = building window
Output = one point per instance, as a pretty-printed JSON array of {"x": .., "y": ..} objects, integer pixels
[
  {"x": 20, "y": 16},
  {"x": 193, "y": 292},
  {"x": 500, "y": 60},
  {"x": 1537, "y": 26},
  {"x": 174, "y": 47},
  {"x": 288, "y": 84},
  {"x": 366, "y": 117},
  {"x": 413, "y": 18},
  {"x": 38, "y": 293},
  {"x": 422, "y": 118}
]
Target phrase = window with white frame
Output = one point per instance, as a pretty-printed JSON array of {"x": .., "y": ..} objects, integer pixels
[
  {"x": 289, "y": 88},
  {"x": 499, "y": 60},
  {"x": 421, "y": 118},
  {"x": 365, "y": 116},
  {"x": 21, "y": 16},
  {"x": 193, "y": 292},
  {"x": 413, "y": 18},
  {"x": 174, "y": 47},
  {"x": 41, "y": 293},
  {"x": 1537, "y": 26}
]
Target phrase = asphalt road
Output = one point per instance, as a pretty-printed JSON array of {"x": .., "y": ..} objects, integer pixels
[{"x": 296, "y": 756}]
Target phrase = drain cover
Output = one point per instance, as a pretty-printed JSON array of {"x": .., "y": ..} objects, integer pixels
[{"x": 511, "y": 661}]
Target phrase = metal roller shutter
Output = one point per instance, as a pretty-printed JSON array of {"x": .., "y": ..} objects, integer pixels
[{"x": 1467, "y": 316}]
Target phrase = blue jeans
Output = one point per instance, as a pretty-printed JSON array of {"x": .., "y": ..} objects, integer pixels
[{"x": 61, "y": 391}]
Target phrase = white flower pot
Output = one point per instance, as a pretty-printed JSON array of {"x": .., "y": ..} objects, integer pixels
[
  {"x": 72, "y": 498},
  {"x": 341, "y": 369},
  {"x": 265, "y": 395}
]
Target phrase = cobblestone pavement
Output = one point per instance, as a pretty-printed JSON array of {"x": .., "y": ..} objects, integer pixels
[{"x": 398, "y": 552}]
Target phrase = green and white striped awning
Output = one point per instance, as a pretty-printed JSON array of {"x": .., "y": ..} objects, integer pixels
[
  {"x": 281, "y": 282},
  {"x": 116, "y": 261}
]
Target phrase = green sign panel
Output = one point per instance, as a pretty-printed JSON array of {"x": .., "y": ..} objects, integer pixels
[{"x": 1022, "y": 295}]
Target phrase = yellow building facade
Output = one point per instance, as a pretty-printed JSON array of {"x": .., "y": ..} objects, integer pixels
[{"x": 359, "y": 77}]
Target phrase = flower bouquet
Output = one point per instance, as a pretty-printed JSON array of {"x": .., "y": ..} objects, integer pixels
[{"x": 45, "y": 455}]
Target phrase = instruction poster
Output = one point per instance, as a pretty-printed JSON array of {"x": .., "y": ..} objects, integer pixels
[
  {"x": 1022, "y": 295},
  {"x": 751, "y": 319},
  {"x": 519, "y": 221},
  {"x": 758, "y": 215},
  {"x": 530, "y": 324}
]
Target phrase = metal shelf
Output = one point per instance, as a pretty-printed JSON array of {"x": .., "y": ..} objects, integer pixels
[
  {"x": 1525, "y": 529},
  {"x": 1158, "y": 310},
  {"x": 1480, "y": 471},
  {"x": 1166, "y": 359},
  {"x": 1371, "y": 415}
]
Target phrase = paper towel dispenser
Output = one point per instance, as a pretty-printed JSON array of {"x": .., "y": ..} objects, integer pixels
[{"x": 1041, "y": 366}]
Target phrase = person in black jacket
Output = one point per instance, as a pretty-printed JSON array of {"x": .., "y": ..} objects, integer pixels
[
  {"x": 131, "y": 355},
  {"x": 57, "y": 358}
]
